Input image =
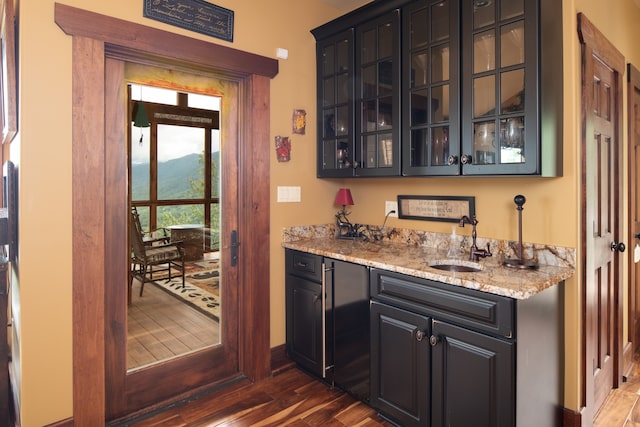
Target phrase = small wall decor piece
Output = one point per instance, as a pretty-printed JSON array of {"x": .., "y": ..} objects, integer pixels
[
  {"x": 436, "y": 208},
  {"x": 195, "y": 15},
  {"x": 283, "y": 148},
  {"x": 8, "y": 88},
  {"x": 299, "y": 121}
]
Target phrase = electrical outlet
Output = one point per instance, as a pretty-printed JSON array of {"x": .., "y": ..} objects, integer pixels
[{"x": 391, "y": 206}]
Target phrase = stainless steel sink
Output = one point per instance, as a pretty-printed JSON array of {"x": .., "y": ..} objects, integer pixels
[{"x": 460, "y": 267}]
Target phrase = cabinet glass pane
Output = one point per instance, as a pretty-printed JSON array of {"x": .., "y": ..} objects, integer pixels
[
  {"x": 328, "y": 154},
  {"x": 385, "y": 40},
  {"x": 484, "y": 147},
  {"x": 343, "y": 89},
  {"x": 484, "y": 13},
  {"x": 369, "y": 80},
  {"x": 440, "y": 152},
  {"x": 419, "y": 147},
  {"x": 328, "y": 96},
  {"x": 369, "y": 114},
  {"x": 385, "y": 77},
  {"x": 342, "y": 124},
  {"x": 512, "y": 44},
  {"x": 512, "y": 140},
  {"x": 484, "y": 51},
  {"x": 440, "y": 63},
  {"x": 342, "y": 56},
  {"x": 511, "y": 9},
  {"x": 342, "y": 155},
  {"x": 419, "y": 31},
  {"x": 370, "y": 151},
  {"x": 484, "y": 96},
  {"x": 419, "y": 107},
  {"x": 368, "y": 46},
  {"x": 440, "y": 21},
  {"x": 329, "y": 123},
  {"x": 419, "y": 69},
  {"x": 440, "y": 104},
  {"x": 385, "y": 113},
  {"x": 512, "y": 91},
  {"x": 328, "y": 60},
  {"x": 385, "y": 151}
]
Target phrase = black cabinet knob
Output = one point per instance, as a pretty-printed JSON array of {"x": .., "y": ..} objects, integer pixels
[{"x": 466, "y": 159}]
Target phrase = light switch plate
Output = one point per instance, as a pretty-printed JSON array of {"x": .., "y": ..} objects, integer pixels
[{"x": 288, "y": 194}]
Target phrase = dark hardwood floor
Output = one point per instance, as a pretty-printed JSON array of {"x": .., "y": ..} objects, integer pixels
[
  {"x": 622, "y": 407},
  {"x": 290, "y": 397}
]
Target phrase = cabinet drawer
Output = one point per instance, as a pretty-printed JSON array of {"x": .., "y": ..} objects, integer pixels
[
  {"x": 467, "y": 307},
  {"x": 304, "y": 264}
]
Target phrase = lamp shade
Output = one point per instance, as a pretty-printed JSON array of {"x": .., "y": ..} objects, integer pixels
[{"x": 344, "y": 197}]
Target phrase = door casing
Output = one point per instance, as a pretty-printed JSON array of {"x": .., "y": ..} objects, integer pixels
[{"x": 94, "y": 38}]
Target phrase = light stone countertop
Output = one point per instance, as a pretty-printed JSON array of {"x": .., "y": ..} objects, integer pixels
[{"x": 413, "y": 257}]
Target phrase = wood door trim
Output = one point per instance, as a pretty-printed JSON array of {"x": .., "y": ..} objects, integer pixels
[
  {"x": 594, "y": 43},
  {"x": 89, "y": 31}
]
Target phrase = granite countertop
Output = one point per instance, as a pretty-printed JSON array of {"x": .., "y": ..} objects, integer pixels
[{"x": 415, "y": 255}]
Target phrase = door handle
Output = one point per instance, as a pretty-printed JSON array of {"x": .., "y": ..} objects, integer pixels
[
  {"x": 234, "y": 248},
  {"x": 620, "y": 247}
]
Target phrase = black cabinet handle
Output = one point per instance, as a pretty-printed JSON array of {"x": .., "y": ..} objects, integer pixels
[
  {"x": 420, "y": 335},
  {"x": 434, "y": 340},
  {"x": 466, "y": 159},
  {"x": 452, "y": 160}
]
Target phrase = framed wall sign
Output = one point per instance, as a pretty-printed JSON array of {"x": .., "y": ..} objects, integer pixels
[
  {"x": 436, "y": 208},
  {"x": 8, "y": 89},
  {"x": 195, "y": 15}
]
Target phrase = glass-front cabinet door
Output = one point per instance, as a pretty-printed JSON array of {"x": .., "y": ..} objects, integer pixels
[
  {"x": 500, "y": 92},
  {"x": 430, "y": 78},
  {"x": 335, "y": 103},
  {"x": 378, "y": 96}
]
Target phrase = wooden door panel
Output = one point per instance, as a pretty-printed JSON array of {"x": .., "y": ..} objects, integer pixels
[{"x": 602, "y": 218}]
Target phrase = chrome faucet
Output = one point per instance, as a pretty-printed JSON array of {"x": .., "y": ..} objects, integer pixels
[{"x": 474, "y": 252}]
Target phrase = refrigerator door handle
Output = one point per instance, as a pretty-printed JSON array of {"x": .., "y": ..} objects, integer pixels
[{"x": 323, "y": 300}]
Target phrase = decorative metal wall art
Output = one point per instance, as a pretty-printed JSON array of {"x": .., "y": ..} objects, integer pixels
[
  {"x": 299, "y": 121},
  {"x": 283, "y": 148}
]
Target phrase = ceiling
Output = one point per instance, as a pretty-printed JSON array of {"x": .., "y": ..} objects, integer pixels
[{"x": 346, "y": 5}]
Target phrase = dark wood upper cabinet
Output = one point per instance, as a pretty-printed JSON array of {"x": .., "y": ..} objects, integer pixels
[{"x": 438, "y": 88}]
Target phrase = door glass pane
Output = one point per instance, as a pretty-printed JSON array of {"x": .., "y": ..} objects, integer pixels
[
  {"x": 328, "y": 154},
  {"x": 329, "y": 91},
  {"x": 369, "y": 81},
  {"x": 385, "y": 77},
  {"x": 440, "y": 21},
  {"x": 484, "y": 13},
  {"x": 368, "y": 50},
  {"x": 342, "y": 125},
  {"x": 369, "y": 115},
  {"x": 484, "y": 52},
  {"x": 484, "y": 96},
  {"x": 512, "y": 140},
  {"x": 385, "y": 113},
  {"x": 328, "y": 63},
  {"x": 370, "y": 151},
  {"x": 512, "y": 44},
  {"x": 386, "y": 151},
  {"x": 419, "y": 29},
  {"x": 440, "y": 63},
  {"x": 385, "y": 40},
  {"x": 140, "y": 171},
  {"x": 440, "y": 103},
  {"x": 419, "y": 107},
  {"x": 419, "y": 147},
  {"x": 512, "y": 91},
  {"x": 419, "y": 69},
  {"x": 511, "y": 9},
  {"x": 343, "y": 88},
  {"x": 440, "y": 153},
  {"x": 342, "y": 56},
  {"x": 180, "y": 151},
  {"x": 329, "y": 123},
  {"x": 484, "y": 148}
]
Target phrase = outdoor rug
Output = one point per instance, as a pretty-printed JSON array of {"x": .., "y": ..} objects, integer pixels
[{"x": 201, "y": 288}]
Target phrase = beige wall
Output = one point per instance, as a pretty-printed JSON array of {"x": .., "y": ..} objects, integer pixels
[{"x": 43, "y": 151}]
